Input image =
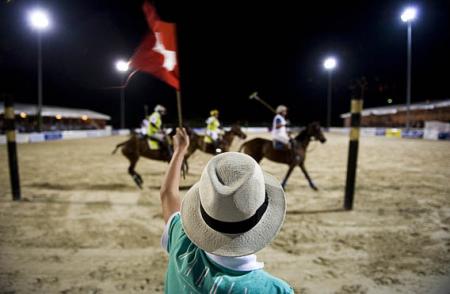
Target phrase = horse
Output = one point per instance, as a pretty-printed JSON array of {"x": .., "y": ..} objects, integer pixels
[
  {"x": 260, "y": 148},
  {"x": 198, "y": 141},
  {"x": 137, "y": 146}
]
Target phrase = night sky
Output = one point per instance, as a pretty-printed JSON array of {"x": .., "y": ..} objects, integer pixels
[{"x": 227, "y": 51}]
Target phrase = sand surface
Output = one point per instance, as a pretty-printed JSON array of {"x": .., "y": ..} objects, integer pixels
[{"x": 84, "y": 227}]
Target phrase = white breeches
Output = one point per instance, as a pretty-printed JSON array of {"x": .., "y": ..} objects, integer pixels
[
  {"x": 214, "y": 135},
  {"x": 281, "y": 137}
]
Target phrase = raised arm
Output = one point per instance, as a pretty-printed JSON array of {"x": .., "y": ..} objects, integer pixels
[{"x": 170, "y": 192}]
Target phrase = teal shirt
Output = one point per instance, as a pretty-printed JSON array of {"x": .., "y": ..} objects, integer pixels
[{"x": 191, "y": 271}]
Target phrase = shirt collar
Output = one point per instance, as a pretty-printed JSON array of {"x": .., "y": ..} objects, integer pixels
[{"x": 242, "y": 263}]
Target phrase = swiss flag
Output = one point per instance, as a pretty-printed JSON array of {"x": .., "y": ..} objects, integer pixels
[{"x": 157, "y": 53}]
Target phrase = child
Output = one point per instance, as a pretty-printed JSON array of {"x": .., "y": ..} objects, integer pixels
[{"x": 234, "y": 211}]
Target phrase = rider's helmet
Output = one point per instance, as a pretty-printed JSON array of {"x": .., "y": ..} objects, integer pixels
[
  {"x": 161, "y": 109},
  {"x": 214, "y": 112},
  {"x": 281, "y": 108}
]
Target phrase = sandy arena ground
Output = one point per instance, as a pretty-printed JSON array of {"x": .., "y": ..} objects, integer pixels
[{"x": 84, "y": 227}]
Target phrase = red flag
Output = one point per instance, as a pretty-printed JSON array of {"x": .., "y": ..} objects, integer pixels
[{"x": 157, "y": 53}]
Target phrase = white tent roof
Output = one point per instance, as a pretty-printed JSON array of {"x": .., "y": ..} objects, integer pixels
[
  {"x": 392, "y": 109},
  {"x": 47, "y": 111}
]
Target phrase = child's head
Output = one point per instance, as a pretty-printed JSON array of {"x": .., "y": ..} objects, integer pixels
[{"x": 235, "y": 209}]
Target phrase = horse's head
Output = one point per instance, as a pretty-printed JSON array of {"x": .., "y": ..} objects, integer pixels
[
  {"x": 312, "y": 130},
  {"x": 315, "y": 131},
  {"x": 237, "y": 131}
]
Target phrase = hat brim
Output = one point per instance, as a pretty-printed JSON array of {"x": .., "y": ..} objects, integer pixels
[{"x": 240, "y": 244}]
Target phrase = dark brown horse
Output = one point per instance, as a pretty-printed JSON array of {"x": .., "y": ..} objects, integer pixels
[
  {"x": 260, "y": 148},
  {"x": 198, "y": 141},
  {"x": 137, "y": 146}
]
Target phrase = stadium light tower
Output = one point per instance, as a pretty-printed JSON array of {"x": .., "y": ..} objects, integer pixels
[
  {"x": 122, "y": 67},
  {"x": 329, "y": 64},
  {"x": 408, "y": 16},
  {"x": 39, "y": 21}
]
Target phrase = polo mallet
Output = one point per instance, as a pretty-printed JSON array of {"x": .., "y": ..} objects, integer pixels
[{"x": 255, "y": 96}]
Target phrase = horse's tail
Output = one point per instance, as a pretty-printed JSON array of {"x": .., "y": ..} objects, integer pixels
[{"x": 118, "y": 146}]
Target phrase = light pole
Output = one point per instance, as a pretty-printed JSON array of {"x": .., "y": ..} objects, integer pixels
[
  {"x": 122, "y": 67},
  {"x": 408, "y": 15},
  {"x": 329, "y": 64},
  {"x": 39, "y": 21}
]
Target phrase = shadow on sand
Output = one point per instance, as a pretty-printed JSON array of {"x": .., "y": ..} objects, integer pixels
[
  {"x": 331, "y": 210},
  {"x": 70, "y": 187},
  {"x": 182, "y": 187},
  {"x": 101, "y": 204}
]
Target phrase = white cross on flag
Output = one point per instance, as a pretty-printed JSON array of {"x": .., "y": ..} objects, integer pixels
[{"x": 157, "y": 54}]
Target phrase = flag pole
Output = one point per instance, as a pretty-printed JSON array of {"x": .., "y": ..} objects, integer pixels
[
  {"x": 179, "y": 109},
  {"x": 180, "y": 116}
]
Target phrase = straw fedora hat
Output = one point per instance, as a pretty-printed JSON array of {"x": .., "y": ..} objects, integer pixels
[{"x": 235, "y": 209}]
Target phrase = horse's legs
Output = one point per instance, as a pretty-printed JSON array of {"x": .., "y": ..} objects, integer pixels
[
  {"x": 311, "y": 183},
  {"x": 291, "y": 168},
  {"x": 136, "y": 177},
  {"x": 184, "y": 168},
  {"x": 185, "y": 160}
]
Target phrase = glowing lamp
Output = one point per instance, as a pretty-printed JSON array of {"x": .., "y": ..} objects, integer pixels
[
  {"x": 409, "y": 14},
  {"x": 39, "y": 19},
  {"x": 330, "y": 63},
  {"x": 122, "y": 65}
]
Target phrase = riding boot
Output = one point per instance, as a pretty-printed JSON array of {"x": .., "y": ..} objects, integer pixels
[
  {"x": 167, "y": 147},
  {"x": 216, "y": 145},
  {"x": 147, "y": 141},
  {"x": 294, "y": 155}
]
